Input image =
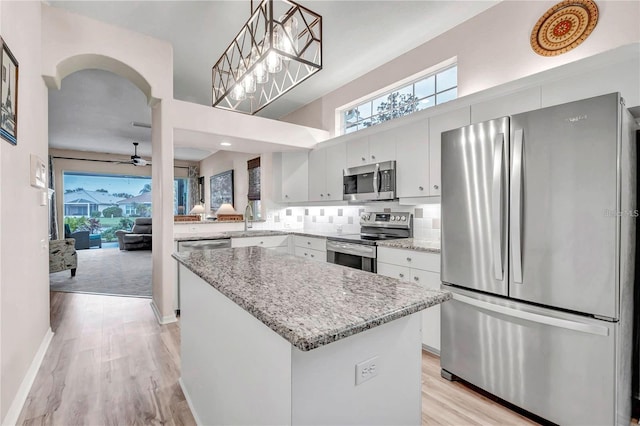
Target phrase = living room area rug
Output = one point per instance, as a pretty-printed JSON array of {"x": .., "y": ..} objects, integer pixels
[{"x": 107, "y": 271}]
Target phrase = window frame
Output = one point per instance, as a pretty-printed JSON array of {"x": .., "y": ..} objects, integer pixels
[{"x": 399, "y": 109}]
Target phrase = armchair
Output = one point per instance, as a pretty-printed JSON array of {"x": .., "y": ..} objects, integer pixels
[
  {"x": 81, "y": 237},
  {"x": 139, "y": 238},
  {"x": 63, "y": 256}
]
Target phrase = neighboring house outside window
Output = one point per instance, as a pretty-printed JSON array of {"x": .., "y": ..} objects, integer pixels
[
  {"x": 82, "y": 202},
  {"x": 253, "y": 195},
  {"x": 433, "y": 89}
]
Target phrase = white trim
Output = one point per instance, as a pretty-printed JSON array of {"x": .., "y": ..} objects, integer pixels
[
  {"x": 188, "y": 399},
  {"x": 162, "y": 320},
  {"x": 25, "y": 387},
  {"x": 431, "y": 350}
]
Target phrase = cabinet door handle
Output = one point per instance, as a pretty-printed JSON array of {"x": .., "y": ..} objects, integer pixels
[
  {"x": 373, "y": 157},
  {"x": 306, "y": 254},
  {"x": 313, "y": 255},
  {"x": 408, "y": 259},
  {"x": 436, "y": 187},
  {"x": 308, "y": 242},
  {"x": 322, "y": 195},
  {"x": 286, "y": 196},
  {"x": 401, "y": 275},
  {"x": 421, "y": 188},
  {"x": 364, "y": 159},
  {"x": 328, "y": 195},
  {"x": 416, "y": 279},
  {"x": 261, "y": 242}
]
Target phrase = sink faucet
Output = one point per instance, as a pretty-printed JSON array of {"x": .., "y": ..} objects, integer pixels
[{"x": 248, "y": 211}]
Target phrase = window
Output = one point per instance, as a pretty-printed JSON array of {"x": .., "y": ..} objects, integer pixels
[
  {"x": 253, "y": 195},
  {"x": 434, "y": 89}
]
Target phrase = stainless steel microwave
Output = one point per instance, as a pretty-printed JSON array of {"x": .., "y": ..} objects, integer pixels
[{"x": 371, "y": 182}]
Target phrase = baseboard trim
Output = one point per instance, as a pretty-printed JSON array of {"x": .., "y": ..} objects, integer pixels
[
  {"x": 430, "y": 350},
  {"x": 25, "y": 387},
  {"x": 162, "y": 320},
  {"x": 189, "y": 403}
]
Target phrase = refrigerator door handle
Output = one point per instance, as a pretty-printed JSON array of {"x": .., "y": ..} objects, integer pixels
[
  {"x": 496, "y": 207},
  {"x": 516, "y": 206},
  {"x": 530, "y": 316}
]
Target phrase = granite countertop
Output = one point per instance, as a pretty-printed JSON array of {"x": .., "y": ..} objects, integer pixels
[
  {"x": 412, "y": 244},
  {"x": 308, "y": 303}
]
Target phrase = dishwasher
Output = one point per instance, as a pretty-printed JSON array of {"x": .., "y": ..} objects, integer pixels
[{"x": 185, "y": 246}]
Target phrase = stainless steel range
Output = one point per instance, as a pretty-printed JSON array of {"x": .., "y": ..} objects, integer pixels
[{"x": 359, "y": 251}]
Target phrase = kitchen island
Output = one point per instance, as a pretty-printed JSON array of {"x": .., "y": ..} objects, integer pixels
[{"x": 268, "y": 338}]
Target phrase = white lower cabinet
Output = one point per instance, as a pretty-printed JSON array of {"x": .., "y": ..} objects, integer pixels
[
  {"x": 310, "y": 248},
  {"x": 320, "y": 256},
  {"x": 422, "y": 268},
  {"x": 279, "y": 243}
]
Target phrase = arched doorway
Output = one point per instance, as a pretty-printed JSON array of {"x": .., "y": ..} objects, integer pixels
[{"x": 162, "y": 157}]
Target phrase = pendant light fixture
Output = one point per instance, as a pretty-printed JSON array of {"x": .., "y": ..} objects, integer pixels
[{"x": 279, "y": 47}]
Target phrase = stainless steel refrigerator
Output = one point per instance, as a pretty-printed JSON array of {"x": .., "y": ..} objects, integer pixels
[{"x": 538, "y": 240}]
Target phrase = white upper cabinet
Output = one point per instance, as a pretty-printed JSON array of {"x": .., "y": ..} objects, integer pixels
[
  {"x": 382, "y": 146},
  {"x": 513, "y": 103},
  {"x": 317, "y": 174},
  {"x": 358, "y": 152},
  {"x": 374, "y": 148},
  {"x": 326, "y": 167},
  {"x": 437, "y": 125},
  {"x": 335, "y": 165},
  {"x": 295, "y": 175},
  {"x": 412, "y": 157}
]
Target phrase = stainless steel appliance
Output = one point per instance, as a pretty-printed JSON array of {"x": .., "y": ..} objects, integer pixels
[
  {"x": 359, "y": 250},
  {"x": 371, "y": 182},
  {"x": 194, "y": 245},
  {"x": 537, "y": 247}
]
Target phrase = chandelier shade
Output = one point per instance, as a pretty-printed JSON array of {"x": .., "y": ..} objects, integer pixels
[{"x": 278, "y": 48}]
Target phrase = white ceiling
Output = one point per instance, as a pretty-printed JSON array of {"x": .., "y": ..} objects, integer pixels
[{"x": 358, "y": 35}]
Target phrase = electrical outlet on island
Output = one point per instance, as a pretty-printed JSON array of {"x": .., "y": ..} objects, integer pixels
[{"x": 366, "y": 370}]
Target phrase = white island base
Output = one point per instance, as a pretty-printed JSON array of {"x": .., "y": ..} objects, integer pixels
[{"x": 236, "y": 370}]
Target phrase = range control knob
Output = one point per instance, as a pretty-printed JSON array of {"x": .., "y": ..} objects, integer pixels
[{"x": 403, "y": 218}]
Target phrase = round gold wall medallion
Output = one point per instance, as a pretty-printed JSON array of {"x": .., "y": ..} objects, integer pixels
[{"x": 564, "y": 27}]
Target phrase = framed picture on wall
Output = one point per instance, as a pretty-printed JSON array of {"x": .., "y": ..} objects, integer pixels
[
  {"x": 221, "y": 189},
  {"x": 8, "y": 95}
]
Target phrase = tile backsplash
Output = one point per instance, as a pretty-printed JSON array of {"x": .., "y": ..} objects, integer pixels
[{"x": 346, "y": 219}]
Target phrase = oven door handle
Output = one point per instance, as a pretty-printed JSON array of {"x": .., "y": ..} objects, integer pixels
[{"x": 352, "y": 249}]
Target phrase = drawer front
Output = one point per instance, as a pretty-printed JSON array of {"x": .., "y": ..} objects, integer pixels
[
  {"x": 394, "y": 271},
  {"x": 410, "y": 258},
  {"x": 320, "y": 256},
  {"x": 270, "y": 241},
  {"x": 426, "y": 278},
  {"x": 310, "y": 243}
]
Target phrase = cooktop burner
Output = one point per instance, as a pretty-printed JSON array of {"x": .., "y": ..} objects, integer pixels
[{"x": 379, "y": 226}]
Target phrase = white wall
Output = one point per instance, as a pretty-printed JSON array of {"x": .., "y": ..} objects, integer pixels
[
  {"x": 491, "y": 49},
  {"x": 24, "y": 277}
]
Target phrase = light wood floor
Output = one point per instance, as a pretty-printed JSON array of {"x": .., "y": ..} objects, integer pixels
[{"x": 110, "y": 363}]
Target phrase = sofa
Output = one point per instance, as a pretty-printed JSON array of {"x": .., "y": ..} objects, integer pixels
[
  {"x": 63, "y": 256},
  {"x": 139, "y": 238}
]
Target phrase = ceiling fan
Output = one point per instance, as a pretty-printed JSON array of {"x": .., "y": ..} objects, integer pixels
[{"x": 136, "y": 160}]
